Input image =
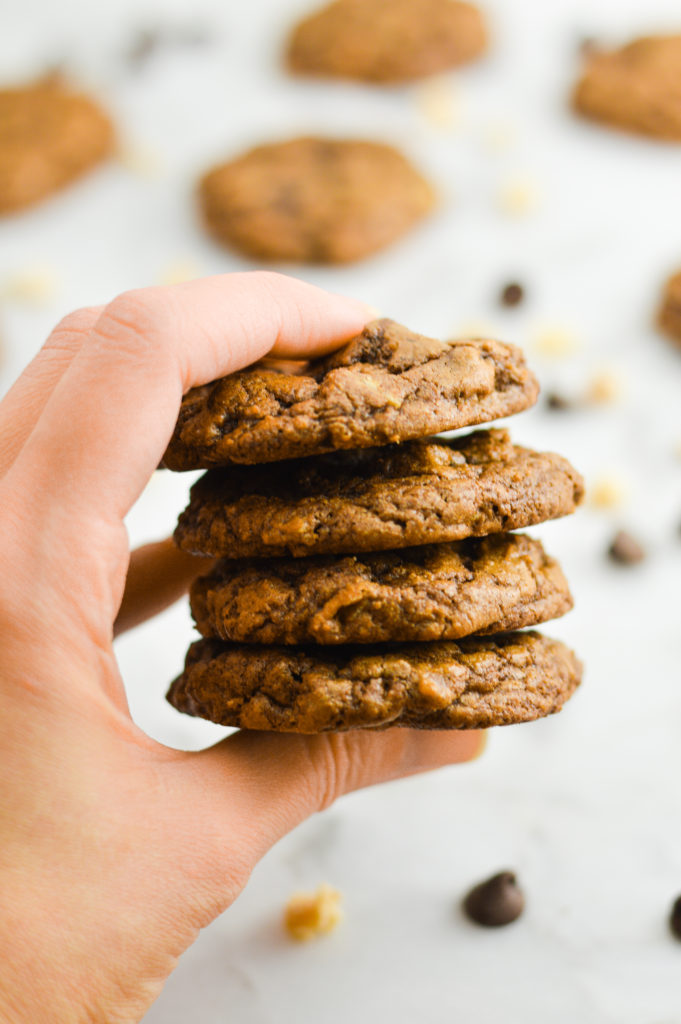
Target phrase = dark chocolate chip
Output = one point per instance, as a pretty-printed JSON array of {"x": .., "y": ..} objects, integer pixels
[
  {"x": 558, "y": 402},
  {"x": 512, "y": 295},
  {"x": 496, "y": 902},
  {"x": 144, "y": 44},
  {"x": 589, "y": 46},
  {"x": 625, "y": 549},
  {"x": 675, "y": 918}
]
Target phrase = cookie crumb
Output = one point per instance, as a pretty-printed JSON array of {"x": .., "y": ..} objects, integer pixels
[
  {"x": 556, "y": 343},
  {"x": 604, "y": 388},
  {"x": 625, "y": 549},
  {"x": 496, "y": 902},
  {"x": 309, "y": 915},
  {"x": 438, "y": 104},
  {"x": 675, "y": 918},
  {"x": 33, "y": 286},
  {"x": 607, "y": 492},
  {"x": 179, "y": 272},
  {"x": 499, "y": 136},
  {"x": 518, "y": 197},
  {"x": 140, "y": 160},
  {"x": 474, "y": 329},
  {"x": 512, "y": 294}
]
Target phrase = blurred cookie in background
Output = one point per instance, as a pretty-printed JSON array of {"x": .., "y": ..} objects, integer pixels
[
  {"x": 50, "y": 135},
  {"x": 636, "y": 88},
  {"x": 314, "y": 200},
  {"x": 387, "y": 41},
  {"x": 669, "y": 315}
]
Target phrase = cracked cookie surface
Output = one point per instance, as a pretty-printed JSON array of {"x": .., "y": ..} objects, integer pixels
[
  {"x": 374, "y": 499},
  {"x": 314, "y": 200},
  {"x": 434, "y": 592},
  {"x": 636, "y": 88},
  {"x": 387, "y": 384},
  {"x": 49, "y": 136},
  {"x": 387, "y": 41},
  {"x": 473, "y": 683}
]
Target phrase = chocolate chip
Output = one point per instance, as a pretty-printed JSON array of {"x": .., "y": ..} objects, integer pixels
[
  {"x": 512, "y": 295},
  {"x": 675, "y": 918},
  {"x": 143, "y": 46},
  {"x": 558, "y": 402},
  {"x": 496, "y": 902},
  {"x": 625, "y": 549},
  {"x": 588, "y": 46}
]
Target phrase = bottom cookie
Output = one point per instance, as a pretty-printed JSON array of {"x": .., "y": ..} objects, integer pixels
[{"x": 471, "y": 684}]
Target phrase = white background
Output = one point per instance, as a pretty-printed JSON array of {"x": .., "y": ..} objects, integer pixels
[{"x": 584, "y": 806}]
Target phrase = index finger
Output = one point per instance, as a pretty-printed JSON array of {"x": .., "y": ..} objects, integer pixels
[{"x": 108, "y": 421}]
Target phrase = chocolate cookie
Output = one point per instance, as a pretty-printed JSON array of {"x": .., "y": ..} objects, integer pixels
[
  {"x": 475, "y": 683},
  {"x": 434, "y": 592},
  {"x": 387, "y": 40},
  {"x": 636, "y": 88},
  {"x": 669, "y": 317},
  {"x": 373, "y": 499},
  {"x": 387, "y": 384},
  {"x": 49, "y": 136},
  {"x": 314, "y": 200}
]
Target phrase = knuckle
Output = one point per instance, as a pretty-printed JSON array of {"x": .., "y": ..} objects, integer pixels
[
  {"x": 135, "y": 321},
  {"x": 78, "y": 321},
  {"x": 335, "y": 769}
]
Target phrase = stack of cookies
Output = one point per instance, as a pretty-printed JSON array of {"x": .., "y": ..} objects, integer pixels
[{"x": 366, "y": 575}]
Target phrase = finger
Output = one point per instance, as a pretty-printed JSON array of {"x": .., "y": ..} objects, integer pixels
[
  {"x": 159, "y": 574},
  {"x": 276, "y": 781},
  {"x": 111, "y": 416},
  {"x": 21, "y": 407}
]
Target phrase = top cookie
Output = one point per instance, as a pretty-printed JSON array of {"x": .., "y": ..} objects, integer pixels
[
  {"x": 313, "y": 200},
  {"x": 387, "y": 384},
  {"x": 387, "y": 41},
  {"x": 636, "y": 88},
  {"x": 48, "y": 137}
]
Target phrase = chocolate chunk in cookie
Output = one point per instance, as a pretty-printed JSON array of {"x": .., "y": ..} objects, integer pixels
[
  {"x": 669, "y": 316},
  {"x": 49, "y": 136},
  {"x": 314, "y": 200},
  {"x": 475, "y": 683},
  {"x": 387, "y": 41},
  {"x": 388, "y": 384},
  {"x": 373, "y": 499},
  {"x": 636, "y": 88},
  {"x": 434, "y": 592}
]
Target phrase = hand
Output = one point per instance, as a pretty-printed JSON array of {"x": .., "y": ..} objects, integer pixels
[{"x": 115, "y": 850}]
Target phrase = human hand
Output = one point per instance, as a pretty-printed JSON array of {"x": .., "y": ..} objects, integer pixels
[{"x": 115, "y": 850}]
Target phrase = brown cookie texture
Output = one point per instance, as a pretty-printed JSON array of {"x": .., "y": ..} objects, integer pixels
[
  {"x": 669, "y": 316},
  {"x": 470, "y": 684},
  {"x": 375, "y": 499},
  {"x": 314, "y": 200},
  {"x": 387, "y": 41},
  {"x": 49, "y": 136},
  {"x": 434, "y": 592},
  {"x": 636, "y": 88},
  {"x": 387, "y": 384}
]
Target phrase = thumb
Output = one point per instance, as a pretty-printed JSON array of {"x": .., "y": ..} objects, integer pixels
[{"x": 274, "y": 781}]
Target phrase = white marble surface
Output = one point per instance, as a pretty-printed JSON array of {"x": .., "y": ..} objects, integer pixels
[{"x": 585, "y": 806}]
